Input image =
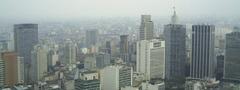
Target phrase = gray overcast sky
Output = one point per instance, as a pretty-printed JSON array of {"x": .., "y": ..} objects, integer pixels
[{"x": 115, "y": 8}]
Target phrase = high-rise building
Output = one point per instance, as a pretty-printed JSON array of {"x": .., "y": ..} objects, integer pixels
[
  {"x": 20, "y": 64},
  {"x": 146, "y": 28},
  {"x": 70, "y": 53},
  {"x": 108, "y": 47},
  {"x": 176, "y": 56},
  {"x": 103, "y": 60},
  {"x": 232, "y": 57},
  {"x": 39, "y": 63},
  {"x": 202, "y": 60},
  {"x": 11, "y": 68},
  {"x": 91, "y": 37},
  {"x": 220, "y": 67},
  {"x": 124, "y": 48},
  {"x": 151, "y": 58},
  {"x": 2, "y": 73},
  {"x": 115, "y": 77},
  {"x": 87, "y": 80},
  {"x": 25, "y": 37}
]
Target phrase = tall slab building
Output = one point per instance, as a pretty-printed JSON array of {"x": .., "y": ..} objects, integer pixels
[
  {"x": 146, "y": 28},
  {"x": 232, "y": 57},
  {"x": 202, "y": 59},
  {"x": 176, "y": 57},
  {"x": 25, "y": 37},
  {"x": 175, "y": 38}
]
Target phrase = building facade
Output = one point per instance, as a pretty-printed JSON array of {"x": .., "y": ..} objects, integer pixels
[
  {"x": 11, "y": 68},
  {"x": 232, "y": 57},
  {"x": 25, "y": 37},
  {"x": 151, "y": 58},
  {"x": 146, "y": 28},
  {"x": 115, "y": 77},
  {"x": 87, "y": 80},
  {"x": 202, "y": 65}
]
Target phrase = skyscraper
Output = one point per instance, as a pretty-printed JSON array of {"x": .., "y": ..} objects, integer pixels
[
  {"x": 11, "y": 68},
  {"x": 70, "y": 53},
  {"x": 232, "y": 57},
  {"x": 116, "y": 76},
  {"x": 151, "y": 58},
  {"x": 124, "y": 48},
  {"x": 39, "y": 62},
  {"x": 25, "y": 37},
  {"x": 146, "y": 28},
  {"x": 91, "y": 37},
  {"x": 202, "y": 64},
  {"x": 20, "y": 67},
  {"x": 176, "y": 57}
]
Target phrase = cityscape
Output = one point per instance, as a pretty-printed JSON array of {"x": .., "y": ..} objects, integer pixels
[{"x": 119, "y": 45}]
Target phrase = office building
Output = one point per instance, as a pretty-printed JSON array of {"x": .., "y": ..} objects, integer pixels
[
  {"x": 87, "y": 80},
  {"x": 176, "y": 56},
  {"x": 202, "y": 64},
  {"x": 115, "y": 77},
  {"x": 103, "y": 60},
  {"x": 124, "y": 48},
  {"x": 146, "y": 28},
  {"x": 232, "y": 57},
  {"x": 70, "y": 53},
  {"x": 151, "y": 58},
  {"x": 20, "y": 67},
  {"x": 11, "y": 68},
  {"x": 39, "y": 63},
  {"x": 25, "y": 37},
  {"x": 91, "y": 37}
]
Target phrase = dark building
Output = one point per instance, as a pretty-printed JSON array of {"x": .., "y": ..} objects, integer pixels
[
  {"x": 202, "y": 64},
  {"x": 220, "y": 67},
  {"x": 124, "y": 48},
  {"x": 91, "y": 37},
  {"x": 25, "y": 37},
  {"x": 232, "y": 57}
]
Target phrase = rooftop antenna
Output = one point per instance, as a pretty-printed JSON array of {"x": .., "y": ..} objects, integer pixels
[{"x": 174, "y": 17}]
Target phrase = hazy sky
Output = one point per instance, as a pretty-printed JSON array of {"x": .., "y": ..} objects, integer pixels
[{"x": 115, "y": 8}]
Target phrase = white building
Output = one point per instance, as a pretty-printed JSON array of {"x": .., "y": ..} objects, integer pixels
[
  {"x": 115, "y": 77},
  {"x": 39, "y": 63},
  {"x": 20, "y": 63},
  {"x": 146, "y": 28},
  {"x": 151, "y": 58}
]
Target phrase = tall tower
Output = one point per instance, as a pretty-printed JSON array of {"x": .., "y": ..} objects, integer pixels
[
  {"x": 91, "y": 37},
  {"x": 25, "y": 37},
  {"x": 124, "y": 48},
  {"x": 39, "y": 62},
  {"x": 232, "y": 58},
  {"x": 175, "y": 38},
  {"x": 146, "y": 28},
  {"x": 202, "y": 64}
]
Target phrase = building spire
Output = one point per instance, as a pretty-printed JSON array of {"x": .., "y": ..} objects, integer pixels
[{"x": 174, "y": 18}]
